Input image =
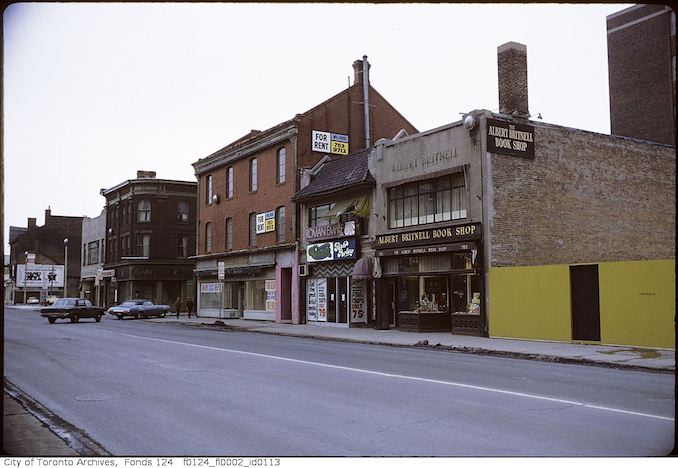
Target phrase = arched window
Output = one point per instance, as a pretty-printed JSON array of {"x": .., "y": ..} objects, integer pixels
[
  {"x": 182, "y": 212},
  {"x": 144, "y": 211}
]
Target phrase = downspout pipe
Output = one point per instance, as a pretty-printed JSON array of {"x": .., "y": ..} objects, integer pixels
[{"x": 366, "y": 100}]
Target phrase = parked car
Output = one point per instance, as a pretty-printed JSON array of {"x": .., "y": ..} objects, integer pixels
[
  {"x": 72, "y": 308},
  {"x": 33, "y": 300},
  {"x": 139, "y": 308}
]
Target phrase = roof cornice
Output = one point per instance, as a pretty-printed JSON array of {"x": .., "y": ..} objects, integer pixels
[{"x": 259, "y": 142}]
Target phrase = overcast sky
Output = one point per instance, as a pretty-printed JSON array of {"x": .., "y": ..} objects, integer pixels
[{"x": 95, "y": 92}]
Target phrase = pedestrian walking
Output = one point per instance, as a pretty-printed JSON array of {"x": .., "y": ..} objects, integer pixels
[
  {"x": 177, "y": 306},
  {"x": 189, "y": 306}
]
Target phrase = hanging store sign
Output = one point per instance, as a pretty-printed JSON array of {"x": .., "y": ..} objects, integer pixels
[
  {"x": 510, "y": 138},
  {"x": 335, "y": 250},
  {"x": 326, "y": 142},
  {"x": 266, "y": 222},
  {"x": 331, "y": 231},
  {"x": 431, "y": 236}
]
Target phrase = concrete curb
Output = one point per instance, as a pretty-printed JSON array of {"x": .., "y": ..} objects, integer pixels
[
  {"x": 77, "y": 439},
  {"x": 439, "y": 347}
]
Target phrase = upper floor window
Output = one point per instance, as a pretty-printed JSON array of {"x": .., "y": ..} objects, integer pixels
[
  {"x": 319, "y": 215},
  {"x": 182, "y": 247},
  {"x": 84, "y": 254},
  {"x": 208, "y": 189},
  {"x": 182, "y": 212},
  {"x": 229, "y": 233},
  {"x": 144, "y": 211},
  {"x": 428, "y": 201},
  {"x": 253, "y": 175},
  {"x": 229, "y": 182},
  {"x": 143, "y": 245},
  {"x": 208, "y": 237},
  {"x": 92, "y": 252},
  {"x": 280, "y": 224},
  {"x": 253, "y": 229},
  {"x": 280, "y": 166}
]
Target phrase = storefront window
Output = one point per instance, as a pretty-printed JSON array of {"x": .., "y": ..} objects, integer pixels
[
  {"x": 210, "y": 296},
  {"x": 466, "y": 294},
  {"x": 255, "y": 296},
  {"x": 230, "y": 295}
]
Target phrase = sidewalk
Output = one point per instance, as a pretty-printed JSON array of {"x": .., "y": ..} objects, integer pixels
[{"x": 572, "y": 353}]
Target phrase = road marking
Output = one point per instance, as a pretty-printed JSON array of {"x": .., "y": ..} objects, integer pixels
[{"x": 417, "y": 379}]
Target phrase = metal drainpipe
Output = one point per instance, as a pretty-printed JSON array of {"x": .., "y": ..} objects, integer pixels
[{"x": 366, "y": 101}]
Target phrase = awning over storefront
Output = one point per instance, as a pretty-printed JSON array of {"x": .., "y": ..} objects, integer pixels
[
  {"x": 363, "y": 268},
  {"x": 358, "y": 206}
]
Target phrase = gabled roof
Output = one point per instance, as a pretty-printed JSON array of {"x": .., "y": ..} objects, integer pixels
[{"x": 339, "y": 173}]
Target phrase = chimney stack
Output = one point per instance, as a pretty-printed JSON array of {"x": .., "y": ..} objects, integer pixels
[
  {"x": 48, "y": 214},
  {"x": 31, "y": 223},
  {"x": 145, "y": 174},
  {"x": 512, "y": 74},
  {"x": 358, "y": 71}
]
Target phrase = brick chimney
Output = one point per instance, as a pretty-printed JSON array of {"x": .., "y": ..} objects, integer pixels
[
  {"x": 48, "y": 214},
  {"x": 31, "y": 223},
  {"x": 145, "y": 174},
  {"x": 358, "y": 72},
  {"x": 512, "y": 74}
]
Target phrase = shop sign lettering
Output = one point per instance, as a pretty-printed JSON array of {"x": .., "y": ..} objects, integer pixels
[
  {"x": 334, "y": 250},
  {"x": 425, "y": 161},
  {"x": 509, "y": 138},
  {"x": 433, "y": 235},
  {"x": 331, "y": 230},
  {"x": 358, "y": 303}
]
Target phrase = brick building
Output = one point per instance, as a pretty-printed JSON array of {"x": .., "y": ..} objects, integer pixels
[
  {"x": 641, "y": 43},
  {"x": 93, "y": 257},
  {"x": 246, "y": 217},
  {"x": 150, "y": 235},
  {"x": 501, "y": 226},
  {"x": 37, "y": 255}
]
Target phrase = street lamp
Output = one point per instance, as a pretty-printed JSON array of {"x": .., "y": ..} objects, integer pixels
[{"x": 66, "y": 267}]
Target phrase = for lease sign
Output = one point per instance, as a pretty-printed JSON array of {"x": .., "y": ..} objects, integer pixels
[{"x": 327, "y": 142}]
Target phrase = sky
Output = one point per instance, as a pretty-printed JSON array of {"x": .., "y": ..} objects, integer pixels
[{"x": 95, "y": 92}]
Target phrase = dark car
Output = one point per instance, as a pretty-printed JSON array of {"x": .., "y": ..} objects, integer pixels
[
  {"x": 72, "y": 308},
  {"x": 139, "y": 308}
]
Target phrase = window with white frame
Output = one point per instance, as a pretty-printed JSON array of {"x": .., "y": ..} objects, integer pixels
[
  {"x": 144, "y": 209},
  {"x": 280, "y": 166},
  {"x": 143, "y": 245},
  {"x": 208, "y": 237},
  {"x": 429, "y": 201},
  {"x": 208, "y": 189},
  {"x": 229, "y": 182},
  {"x": 280, "y": 223},
  {"x": 253, "y": 175},
  {"x": 229, "y": 233},
  {"x": 182, "y": 212},
  {"x": 319, "y": 215}
]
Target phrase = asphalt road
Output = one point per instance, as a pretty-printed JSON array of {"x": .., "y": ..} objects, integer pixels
[{"x": 144, "y": 388}]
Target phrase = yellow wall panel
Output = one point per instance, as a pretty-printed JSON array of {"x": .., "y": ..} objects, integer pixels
[
  {"x": 530, "y": 302},
  {"x": 637, "y": 303}
]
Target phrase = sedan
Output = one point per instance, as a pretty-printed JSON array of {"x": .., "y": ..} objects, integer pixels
[
  {"x": 72, "y": 308},
  {"x": 138, "y": 309}
]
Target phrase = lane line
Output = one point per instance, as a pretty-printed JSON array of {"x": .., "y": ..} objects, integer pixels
[{"x": 406, "y": 377}]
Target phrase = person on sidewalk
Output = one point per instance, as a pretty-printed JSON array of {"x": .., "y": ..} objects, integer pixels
[
  {"x": 189, "y": 306},
  {"x": 177, "y": 306}
]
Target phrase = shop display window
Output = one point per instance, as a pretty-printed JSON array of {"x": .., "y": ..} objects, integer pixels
[
  {"x": 255, "y": 295},
  {"x": 466, "y": 294}
]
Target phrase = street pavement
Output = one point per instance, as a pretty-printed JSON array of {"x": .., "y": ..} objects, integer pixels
[{"x": 25, "y": 431}]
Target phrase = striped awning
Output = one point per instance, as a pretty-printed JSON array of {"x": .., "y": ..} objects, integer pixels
[{"x": 363, "y": 268}]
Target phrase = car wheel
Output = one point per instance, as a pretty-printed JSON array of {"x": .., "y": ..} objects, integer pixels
[
  {"x": 75, "y": 318},
  {"x": 138, "y": 316},
  {"x": 51, "y": 319},
  {"x": 98, "y": 318},
  {"x": 162, "y": 315},
  {"x": 119, "y": 316}
]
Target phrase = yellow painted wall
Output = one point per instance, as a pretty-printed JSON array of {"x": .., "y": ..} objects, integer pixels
[
  {"x": 530, "y": 302},
  {"x": 637, "y": 303}
]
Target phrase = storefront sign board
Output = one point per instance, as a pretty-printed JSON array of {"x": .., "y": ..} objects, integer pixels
[
  {"x": 430, "y": 236},
  {"x": 265, "y": 222},
  {"x": 329, "y": 231},
  {"x": 358, "y": 302},
  {"x": 424, "y": 249},
  {"x": 210, "y": 287},
  {"x": 510, "y": 138},
  {"x": 333, "y": 250},
  {"x": 311, "y": 301}
]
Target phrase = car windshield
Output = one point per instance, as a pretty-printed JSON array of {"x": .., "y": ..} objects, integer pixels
[
  {"x": 148, "y": 303},
  {"x": 131, "y": 303},
  {"x": 64, "y": 302}
]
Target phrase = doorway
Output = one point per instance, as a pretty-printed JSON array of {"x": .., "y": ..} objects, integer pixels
[{"x": 584, "y": 293}]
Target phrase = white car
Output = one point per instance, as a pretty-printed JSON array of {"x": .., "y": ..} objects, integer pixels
[{"x": 33, "y": 300}]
